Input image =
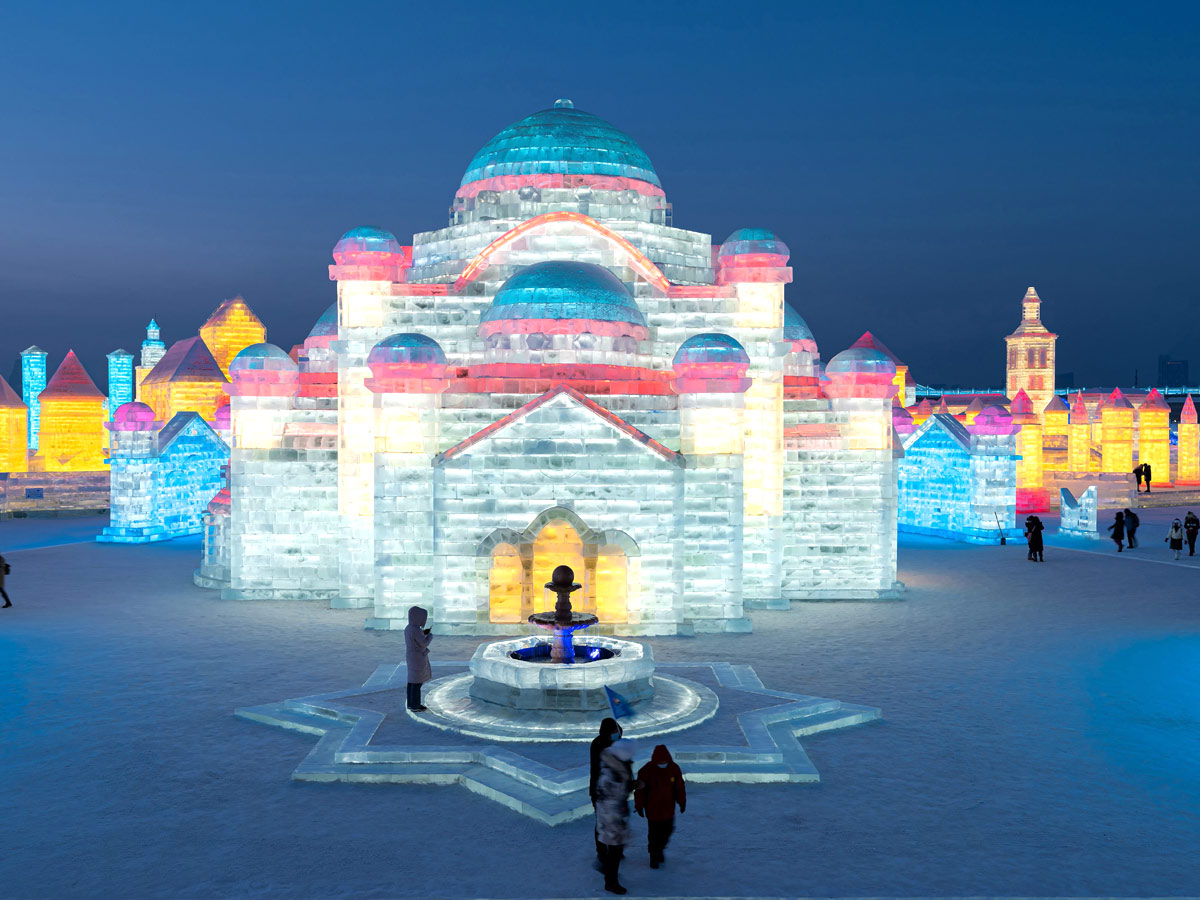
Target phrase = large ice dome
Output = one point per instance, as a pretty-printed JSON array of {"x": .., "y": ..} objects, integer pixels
[{"x": 561, "y": 140}]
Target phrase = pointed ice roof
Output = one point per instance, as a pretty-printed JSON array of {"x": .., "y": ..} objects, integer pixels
[
  {"x": 71, "y": 380},
  {"x": 942, "y": 409},
  {"x": 9, "y": 399},
  {"x": 869, "y": 340},
  {"x": 1154, "y": 400},
  {"x": 1187, "y": 415},
  {"x": 187, "y": 360},
  {"x": 1079, "y": 408},
  {"x": 1056, "y": 404},
  {"x": 119, "y": 352},
  {"x": 227, "y": 309},
  {"x": 975, "y": 406},
  {"x": 1031, "y": 294},
  {"x": 33, "y": 348},
  {"x": 1021, "y": 406},
  {"x": 1116, "y": 400}
]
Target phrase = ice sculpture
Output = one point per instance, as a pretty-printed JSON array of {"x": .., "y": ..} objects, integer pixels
[
  {"x": 1031, "y": 354},
  {"x": 72, "y": 420},
  {"x": 33, "y": 382},
  {"x": 14, "y": 433},
  {"x": 1188, "y": 461}
]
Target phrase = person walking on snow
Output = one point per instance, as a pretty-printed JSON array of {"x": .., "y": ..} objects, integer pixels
[
  {"x": 416, "y": 655},
  {"x": 1191, "y": 527},
  {"x": 1174, "y": 538},
  {"x": 610, "y": 731},
  {"x": 659, "y": 790},
  {"x": 1118, "y": 530},
  {"x": 4, "y": 570},
  {"x": 612, "y": 808},
  {"x": 1132, "y": 523},
  {"x": 1033, "y": 536}
]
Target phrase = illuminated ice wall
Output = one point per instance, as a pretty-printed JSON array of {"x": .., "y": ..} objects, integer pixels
[
  {"x": 558, "y": 374},
  {"x": 33, "y": 382}
]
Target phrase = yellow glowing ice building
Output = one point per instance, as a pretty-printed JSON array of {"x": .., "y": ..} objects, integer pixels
[
  {"x": 231, "y": 328},
  {"x": 73, "y": 417}
]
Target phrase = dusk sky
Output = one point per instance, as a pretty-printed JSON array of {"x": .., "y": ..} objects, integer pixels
[{"x": 925, "y": 162}]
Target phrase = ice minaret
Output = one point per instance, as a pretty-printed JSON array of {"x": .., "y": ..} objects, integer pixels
[
  {"x": 1031, "y": 355},
  {"x": 33, "y": 382},
  {"x": 120, "y": 380}
]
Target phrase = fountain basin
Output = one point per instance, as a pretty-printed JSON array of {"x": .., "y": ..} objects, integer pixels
[{"x": 509, "y": 681}]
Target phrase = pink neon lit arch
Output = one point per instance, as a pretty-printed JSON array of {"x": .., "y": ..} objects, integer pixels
[{"x": 638, "y": 261}]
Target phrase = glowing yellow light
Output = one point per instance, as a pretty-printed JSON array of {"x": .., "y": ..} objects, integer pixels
[
  {"x": 229, "y": 330},
  {"x": 13, "y": 452},
  {"x": 253, "y": 431},
  {"x": 1116, "y": 436},
  {"x": 558, "y": 544},
  {"x": 401, "y": 432},
  {"x": 72, "y": 434},
  {"x": 360, "y": 303},
  {"x": 1154, "y": 436},
  {"x": 713, "y": 431},
  {"x": 505, "y": 581},
  {"x": 612, "y": 585},
  {"x": 1188, "y": 464}
]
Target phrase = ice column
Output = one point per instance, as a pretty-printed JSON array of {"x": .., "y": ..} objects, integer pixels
[
  {"x": 1116, "y": 434},
  {"x": 1187, "y": 467},
  {"x": 33, "y": 382},
  {"x": 1079, "y": 438},
  {"x": 1154, "y": 436}
]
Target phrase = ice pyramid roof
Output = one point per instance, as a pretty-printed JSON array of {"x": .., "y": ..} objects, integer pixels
[
  {"x": 9, "y": 399},
  {"x": 187, "y": 360},
  {"x": 71, "y": 380},
  {"x": 869, "y": 340}
]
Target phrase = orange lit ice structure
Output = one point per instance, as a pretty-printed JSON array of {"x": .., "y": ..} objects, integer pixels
[
  {"x": 1031, "y": 493},
  {"x": 1056, "y": 425},
  {"x": 1079, "y": 438},
  {"x": 14, "y": 436},
  {"x": 231, "y": 328},
  {"x": 1116, "y": 433},
  {"x": 1031, "y": 355},
  {"x": 186, "y": 379},
  {"x": 73, "y": 418},
  {"x": 1154, "y": 436},
  {"x": 1187, "y": 466}
]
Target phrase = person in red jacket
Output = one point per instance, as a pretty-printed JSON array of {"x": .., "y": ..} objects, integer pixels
[{"x": 659, "y": 790}]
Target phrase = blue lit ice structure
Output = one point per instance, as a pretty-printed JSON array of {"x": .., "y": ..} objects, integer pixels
[{"x": 563, "y": 621}]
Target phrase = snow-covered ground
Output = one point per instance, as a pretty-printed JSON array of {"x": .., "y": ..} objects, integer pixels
[{"x": 1041, "y": 736}]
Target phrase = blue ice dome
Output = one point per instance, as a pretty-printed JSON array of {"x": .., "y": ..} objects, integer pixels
[
  {"x": 794, "y": 326},
  {"x": 561, "y": 140},
  {"x": 327, "y": 325},
  {"x": 265, "y": 357},
  {"x": 565, "y": 290},
  {"x": 368, "y": 239},
  {"x": 756, "y": 243},
  {"x": 408, "y": 348},
  {"x": 861, "y": 361},
  {"x": 711, "y": 347}
]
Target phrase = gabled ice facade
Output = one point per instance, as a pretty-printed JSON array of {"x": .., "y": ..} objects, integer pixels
[{"x": 559, "y": 375}]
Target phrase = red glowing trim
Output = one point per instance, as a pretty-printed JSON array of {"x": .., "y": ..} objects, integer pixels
[
  {"x": 563, "y": 326},
  {"x": 612, "y": 418},
  {"x": 552, "y": 181},
  {"x": 638, "y": 261}
]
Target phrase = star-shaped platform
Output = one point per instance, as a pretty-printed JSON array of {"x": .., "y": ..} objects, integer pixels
[{"x": 357, "y": 741}]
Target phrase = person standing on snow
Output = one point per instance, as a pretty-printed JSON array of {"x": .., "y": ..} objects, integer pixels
[
  {"x": 659, "y": 790},
  {"x": 1147, "y": 472},
  {"x": 417, "y": 639},
  {"x": 1174, "y": 538},
  {"x": 1033, "y": 535},
  {"x": 4, "y": 570},
  {"x": 1191, "y": 527},
  {"x": 612, "y": 808},
  {"x": 1118, "y": 530},
  {"x": 1132, "y": 523},
  {"x": 610, "y": 731},
  {"x": 1137, "y": 473}
]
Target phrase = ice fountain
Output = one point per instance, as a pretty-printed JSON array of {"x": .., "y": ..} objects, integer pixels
[{"x": 563, "y": 622}]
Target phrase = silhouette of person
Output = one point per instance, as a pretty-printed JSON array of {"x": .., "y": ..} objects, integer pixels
[
  {"x": 1147, "y": 471},
  {"x": 4, "y": 570},
  {"x": 1118, "y": 530},
  {"x": 1191, "y": 527},
  {"x": 1132, "y": 523},
  {"x": 1137, "y": 473}
]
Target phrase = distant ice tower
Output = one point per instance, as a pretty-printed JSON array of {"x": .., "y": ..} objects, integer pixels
[
  {"x": 1031, "y": 355},
  {"x": 33, "y": 382},
  {"x": 120, "y": 379}
]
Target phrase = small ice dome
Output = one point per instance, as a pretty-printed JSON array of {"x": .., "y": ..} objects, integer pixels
[
  {"x": 564, "y": 290},
  {"x": 327, "y": 325},
  {"x": 794, "y": 326},
  {"x": 753, "y": 247},
  {"x": 710, "y": 347},
  {"x": 264, "y": 358},
  {"x": 133, "y": 416},
  {"x": 368, "y": 245},
  {"x": 860, "y": 361},
  {"x": 407, "y": 349}
]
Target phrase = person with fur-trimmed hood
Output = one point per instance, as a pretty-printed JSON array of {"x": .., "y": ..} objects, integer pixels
[
  {"x": 659, "y": 790},
  {"x": 612, "y": 808},
  {"x": 417, "y": 639}
]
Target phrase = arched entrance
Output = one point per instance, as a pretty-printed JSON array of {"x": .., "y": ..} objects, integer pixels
[{"x": 519, "y": 566}]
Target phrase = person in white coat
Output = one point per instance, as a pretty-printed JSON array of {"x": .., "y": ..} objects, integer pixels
[{"x": 416, "y": 655}]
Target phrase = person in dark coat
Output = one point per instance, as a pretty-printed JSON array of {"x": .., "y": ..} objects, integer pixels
[
  {"x": 1174, "y": 538},
  {"x": 8, "y": 603},
  {"x": 1191, "y": 527},
  {"x": 612, "y": 808},
  {"x": 659, "y": 790},
  {"x": 1033, "y": 535},
  {"x": 1132, "y": 523},
  {"x": 1137, "y": 473},
  {"x": 609, "y": 731},
  {"x": 1118, "y": 530},
  {"x": 417, "y": 639},
  {"x": 1147, "y": 472}
]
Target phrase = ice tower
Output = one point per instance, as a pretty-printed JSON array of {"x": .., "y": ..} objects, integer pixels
[
  {"x": 1031, "y": 355},
  {"x": 33, "y": 382},
  {"x": 120, "y": 380}
]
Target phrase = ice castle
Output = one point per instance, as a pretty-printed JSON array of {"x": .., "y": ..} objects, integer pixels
[{"x": 560, "y": 375}]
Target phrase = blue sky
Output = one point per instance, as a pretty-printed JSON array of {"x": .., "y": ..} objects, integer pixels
[{"x": 926, "y": 162}]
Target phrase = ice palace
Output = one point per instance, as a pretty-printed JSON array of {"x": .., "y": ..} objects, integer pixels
[{"x": 560, "y": 375}]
